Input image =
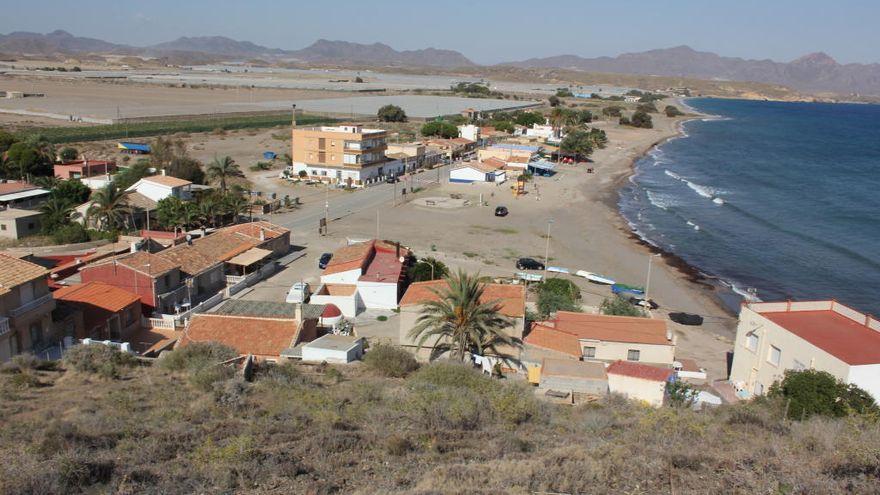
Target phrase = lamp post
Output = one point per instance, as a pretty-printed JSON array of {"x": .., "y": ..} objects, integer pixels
[
  {"x": 547, "y": 248},
  {"x": 429, "y": 264},
  {"x": 648, "y": 279}
]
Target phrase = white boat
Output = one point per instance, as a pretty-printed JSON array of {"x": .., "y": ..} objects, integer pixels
[
  {"x": 557, "y": 269},
  {"x": 594, "y": 277}
]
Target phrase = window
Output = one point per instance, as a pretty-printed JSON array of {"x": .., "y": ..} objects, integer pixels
[
  {"x": 589, "y": 352},
  {"x": 3, "y": 227},
  {"x": 752, "y": 342},
  {"x": 633, "y": 355},
  {"x": 774, "y": 356},
  {"x": 30, "y": 225}
]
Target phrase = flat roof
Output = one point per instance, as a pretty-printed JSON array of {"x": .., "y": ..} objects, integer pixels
[
  {"x": 332, "y": 342},
  {"x": 23, "y": 194},
  {"x": 588, "y": 370},
  {"x": 11, "y": 213},
  {"x": 843, "y": 338}
]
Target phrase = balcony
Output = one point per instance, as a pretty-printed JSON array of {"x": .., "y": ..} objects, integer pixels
[
  {"x": 4, "y": 325},
  {"x": 36, "y": 303}
]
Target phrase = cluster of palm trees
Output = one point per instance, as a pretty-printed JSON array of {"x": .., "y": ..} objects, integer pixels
[
  {"x": 210, "y": 210},
  {"x": 460, "y": 323}
]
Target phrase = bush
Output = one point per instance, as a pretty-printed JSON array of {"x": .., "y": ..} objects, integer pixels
[
  {"x": 389, "y": 360},
  {"x": 68, "y": 154},
  {"x": 201, "y": 361},
  {"x": 397, "y": 446},
  {"x": 71, "y": 233},
  {"x": 435, "y": 408},
  {"x": 450, "y": 374},
  {"x": 425, "y": 268},
  {"x": 558, "y": 294},
  {"x": 647, "y": 107},
  {"x": 642, "y": 120},
  {"x": 672, "y": 111},
  {"x": 440, "y": 128},
  {"x": 619, "y": 306},
  {"x": 564, "y": 93},
  {"x": 613, "y": 111},
  {"x": 98, "y": 359},
  {"x": 514, "y": 404},
  {"x": 391, "y": 113},
  {"x": 811, "y": 392}
]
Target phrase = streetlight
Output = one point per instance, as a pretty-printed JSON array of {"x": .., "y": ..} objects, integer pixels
[
  {"x": 547, "y": 248},
  {"x": 648, "y": 279},
  {"x": 429, "y": 264}
]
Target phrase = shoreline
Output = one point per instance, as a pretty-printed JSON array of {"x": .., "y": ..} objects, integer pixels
[{"x": 707, "y": 284}]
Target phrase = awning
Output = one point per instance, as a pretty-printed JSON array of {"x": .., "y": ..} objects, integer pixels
[
  {"x": 250, "y": 257},
  {"x": 542, "y": 165}
]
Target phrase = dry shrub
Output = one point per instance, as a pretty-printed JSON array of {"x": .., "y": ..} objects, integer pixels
[
  {"x": 398, "y": 445},
  {"x": 202, "y": 362},
  {"x": 97, "y": 359},
  {"x": 391, "y": 361}
]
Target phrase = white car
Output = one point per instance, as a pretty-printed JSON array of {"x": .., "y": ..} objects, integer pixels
[{"x": 298, "y": 293}]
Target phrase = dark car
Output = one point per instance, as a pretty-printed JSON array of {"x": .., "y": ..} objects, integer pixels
[
  {"x": 325, "y": 258},
  {"x": 392, "y": 179},
  {"x": 686, "y": 318},
  {"x": 501, "y": 211},
  {"x": 529, "y": 264},
  {"x": 640, "y": 301}
]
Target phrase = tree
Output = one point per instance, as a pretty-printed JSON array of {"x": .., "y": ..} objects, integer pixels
[
  {"x": 577, "y": 142},
  {"x": 223, "y": 168},
  {"x": 422, "y": 270},
  {"x": 172, "y": 156},
  {"x": 564, "y": 93},
  {"x": 459, "y": 323},
  {"x": 612, "y": 111},
  {"x": 440, "y": 128},
  {"x": 234, "y": 206},
  {"x": 646, "y": 107},
  {"x": 624, "y": 121},
  {"x": 503, "y": 126},
  {"x": 562, "y": 117},
  {"x": 558, "y": 294},
  {"x": 619, "y": 306},
  {"x": 56, "y": 213},
  {"x": 109, "y": 209},
  {"x": 528, "y": 119},
  {"x": 6, "y": 140},
  {"x": 641, "y": 119},
  {"x": 26, "y": 159},
  {"x": 174, "y": 213},
  {"x": 71, "y": 191},
  {"x": 554, "y": 101},
  {"x": 598, "y": 137},
  {"x": 811, "y": 392},
  {"x": 672, "y": 111},
  {"x": 68, "y": 154},
  {"x": 128, "y": 176},
  {"x": 584, "y": 116},
  {"x": 391, "y": 113},
  {"x": 680, "y": 394}
]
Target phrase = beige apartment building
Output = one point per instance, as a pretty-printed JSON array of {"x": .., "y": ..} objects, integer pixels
[
  {"x": 822, "y": 335},
  {"x": 349, "y": 155},
  {"x": 25, "y": 307}
]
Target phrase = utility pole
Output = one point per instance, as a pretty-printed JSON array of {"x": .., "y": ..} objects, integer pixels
[
  {"x": 648, "y": 279},
  {"x": 547, "y": 248}
]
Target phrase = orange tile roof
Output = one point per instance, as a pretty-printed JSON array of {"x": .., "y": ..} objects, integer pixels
[
  {"x": 14, "y": 187},
  {"x": 518, "y": 159},
  {"x": 167, "y": 180},
  {"x": 14, "y": 272},
  {"x": 247, "y": 335},
  {"x": 495, "y": 162},
  {"x": 147, "y": 263},
  {"x": 97, "y": 294},
  {"x": 554, "y": 340},
  {"x": 359, "y": 255},
  {"x": 610, "y": 328},
  {"x": 850, "y": 341},
  {"x": 639, "y": 370},
  {"x": 252, "y": 229},
  {"x": 339, "y": 289},
  {"x": 511, "y": 298}
]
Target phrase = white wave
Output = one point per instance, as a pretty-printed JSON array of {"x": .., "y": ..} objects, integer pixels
[
  {"x": 718, "y": 201},
  {"x": 692, "y": 224},
  {"x": 704, "y": 191},
  {"x": 749, "y": 296},
  {"x": 673, "y": 175},
  {"x": 662, "y": 201}
]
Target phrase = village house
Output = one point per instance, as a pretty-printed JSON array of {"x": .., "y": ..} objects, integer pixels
[
  {"x": 363, "y": 275},
  {"x": 349, "y": 155},
  {"x": 108, "y": 312},
  {"x": 264, "y": 330},
  {"x": 156, "y": 280},
  {"x": 639, "y": 381},
  {"x": 513, "y": 155},
  {"x": 15, "y": 194},
  {"x": 451, "y": 149},
  {"x": 16, "y": 223},
  {"x": 474, "y": 171},
  {"x": 470, "y": 132},
  {"x": 81, "y": 169},
  {"x": 510, "y": 298},
  {"x": 566, "y": 375},
  {"x": 412, "y": 155},
  {"x": 159, "y": 187},
  {"x": 822, "y": 335},
  {"x": 25, "y": 308},
  {"x": 602, "y": 338}
]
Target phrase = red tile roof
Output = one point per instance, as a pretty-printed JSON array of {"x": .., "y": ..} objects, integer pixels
[
  {"x": 639, "y": 370},
  {"x": 850, "y": 341},
  {"x": 247, "y": 335},
  {"x": 610, "y": 328},
  {"x": 511, "y": 298},
  {"x": 14, "y": 187},
  {"x": 149, "y": 264},
  {"x": 167, "y": 180},
  {"x": 97, "y": 294},
  {"x": 252, "y": 229},
  {"x": 362, "y": 255},
  {"x": 554, "y": 340}
]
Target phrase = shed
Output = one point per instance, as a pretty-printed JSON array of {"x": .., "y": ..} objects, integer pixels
[
  {"x": 568, "y": 375},
  {"x": 334, "y": 349}
]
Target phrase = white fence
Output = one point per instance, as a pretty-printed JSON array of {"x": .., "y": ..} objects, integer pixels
[{"x": 238, "y": 283}]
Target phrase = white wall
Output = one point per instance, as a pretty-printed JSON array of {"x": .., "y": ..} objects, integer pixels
[
  {"x": 866, "y": 377},
  {"x": 638, "y": 389},
  {"x": 349, "y": 305},
  {"x": 154, "y": 191},
  {"x": 378, "y": 295},
  {"x": 347, "y": 277},
  {"x": 469, "y": 131},
  {"x": 467, "y": 174}
]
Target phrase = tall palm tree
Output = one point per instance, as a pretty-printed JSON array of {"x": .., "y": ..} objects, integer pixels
[
  {"x": 109, "y": 208},
  {"x": 459, "y": 323},
  {"x": 221, "y": 169},
  {"x": 207, "y": 210},
  {"x": 56, "y": 212},
  {"x": 235, "y": 206}
]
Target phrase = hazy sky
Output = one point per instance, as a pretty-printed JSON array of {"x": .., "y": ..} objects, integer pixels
[{"x": 487, "y": 31}]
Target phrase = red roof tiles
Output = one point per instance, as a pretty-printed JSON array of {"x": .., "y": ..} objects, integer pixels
[
  {"x": 843, "y": 338},
  {"x": 511, "y": 298},
  {"x": 97, "y": 294},
  {"x": 638, "y": 370},
  {"x": 247, "y": 335},
  {"x": 610, "y": 328}
]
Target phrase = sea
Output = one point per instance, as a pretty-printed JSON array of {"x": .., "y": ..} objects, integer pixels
[{"x": 772, "y": 199}]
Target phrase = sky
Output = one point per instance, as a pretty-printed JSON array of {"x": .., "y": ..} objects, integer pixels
[{"x": 486, "y": 31}]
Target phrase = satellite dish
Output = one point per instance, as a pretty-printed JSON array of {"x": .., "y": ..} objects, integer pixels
[{"x": 402, "y": 259}]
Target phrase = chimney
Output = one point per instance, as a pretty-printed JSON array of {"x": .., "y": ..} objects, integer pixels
[
  {"x": 163, "y": 171},
  {"x": 298, "y": 313},
  {"x": 397, "y": 249},
  {"x": 262, "y": 234}
]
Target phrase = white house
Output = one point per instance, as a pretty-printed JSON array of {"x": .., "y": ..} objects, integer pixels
[
  {"x": 159, "y": 187},
  {"x": 822, "y": 335},
  {"x": 638, "y": 381},
  {"x": 469, "y": 172},
  {"x": 363, "y": 275},
  {"x": 546, "y": 132},
  {"x": 331, "y": 348},
  {"x": 469, "y": 131}
]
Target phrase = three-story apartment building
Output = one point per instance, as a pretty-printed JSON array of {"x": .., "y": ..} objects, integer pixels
[
  {"x": 25, "y": 307},
  {"x": 345, "y": 154}
]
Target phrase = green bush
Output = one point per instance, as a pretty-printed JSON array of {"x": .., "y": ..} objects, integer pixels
[
  {"x": 672, "y": 111},
  {"x": 619, "y": 306},
  {"x": 435, "y": 408},
  {"x": 389, "y": 360},
  {"x": 811, "y": 392},
  {"x": 558, "y": 294},
  {"x": 641, "y": 119},
  {"x": 450, "y": 374},
  {"x": 71, "y": 233},
  {"x": 201, "y": 361},
  {"x": 514, "y": 404},
  {"x": 102, "y": 360},
  {"x": 391, "y": 113}
]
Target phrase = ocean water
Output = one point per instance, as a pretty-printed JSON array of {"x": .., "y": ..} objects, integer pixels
[{"x": 780, "y": 197}]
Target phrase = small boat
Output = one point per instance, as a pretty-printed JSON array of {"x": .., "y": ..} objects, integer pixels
[
  {"x": 624, "y": 289},
  {"x": 557, "y": 269},
  {"x": 594, "y": 277}
]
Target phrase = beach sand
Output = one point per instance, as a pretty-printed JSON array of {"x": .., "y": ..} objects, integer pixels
[{"x": 587, "y": 233}]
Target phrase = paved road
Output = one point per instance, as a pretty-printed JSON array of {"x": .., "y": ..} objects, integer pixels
[{"x": 305, "y": 219}]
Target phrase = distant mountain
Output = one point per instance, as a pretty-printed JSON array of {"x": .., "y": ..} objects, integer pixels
[
  {"x": 215, "y": 45},
  {"x": 327, "y": 51},
  {"x": 813, "y": 72},
  {"x": 59, "y": 41}
]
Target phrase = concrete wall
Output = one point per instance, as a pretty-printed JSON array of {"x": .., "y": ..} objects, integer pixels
[
  {"x": 752, "y": 368},
  {"x": 648, "y": 353},
  {"x": 349, "y": 305},
  {"x": 346, "y": 277},
  {"x": 648, "y": 391},
  {"x": 377, "y": 295},
  {"x": 572, "y": 384},
  {"x": 467, "y": 174},
  {"x": 867, "y": 377},
  {"x": 16, "y": 228}
]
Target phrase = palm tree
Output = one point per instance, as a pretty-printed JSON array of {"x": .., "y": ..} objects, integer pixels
[
  {"x": 207, "y": 210},
  {"x": 109, "y": 208},
  {"x": 221, "y": 169},
  {"x": 459, "y": 323},
  {"x": 235, "y": 206},
  {"x": 56, "y": 212}
]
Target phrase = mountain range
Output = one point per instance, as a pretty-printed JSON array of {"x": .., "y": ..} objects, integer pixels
[{"x": 816, "y": 72}]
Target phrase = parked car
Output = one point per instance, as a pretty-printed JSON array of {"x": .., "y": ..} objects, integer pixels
[
  {"x": 529, "y": 264},
  {"x": 324, "y": 260},
  {"x": 298, "y": 293},
  {"x": 501, "y": 211},
  {"x": 640, "y": 301},
  {"x": 392, "y": 179},
  {"x": 686, "y": 318}
]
